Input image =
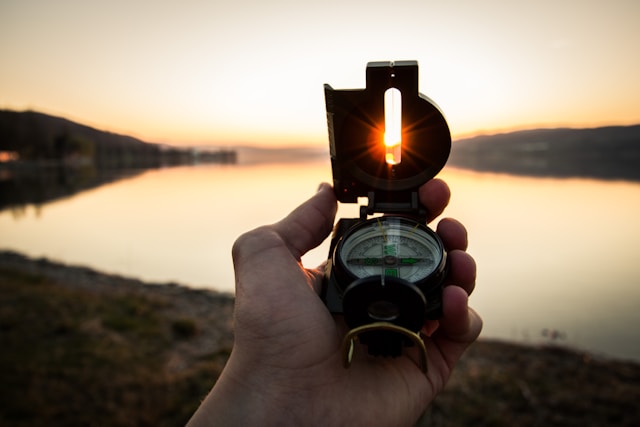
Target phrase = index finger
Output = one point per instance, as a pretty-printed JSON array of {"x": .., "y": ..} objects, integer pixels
[{"x": 434, "y": 196}]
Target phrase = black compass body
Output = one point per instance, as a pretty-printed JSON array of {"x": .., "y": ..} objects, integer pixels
[{"x": 385, "y": 267}]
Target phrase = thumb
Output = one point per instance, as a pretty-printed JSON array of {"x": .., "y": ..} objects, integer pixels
[{"x": 310, "y": 223}]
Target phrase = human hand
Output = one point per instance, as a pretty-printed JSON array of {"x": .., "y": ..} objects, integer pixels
[{"x": 286, "y": 364}]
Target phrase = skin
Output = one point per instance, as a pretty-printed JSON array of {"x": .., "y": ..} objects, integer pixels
[{"x": 286, "y": 366}]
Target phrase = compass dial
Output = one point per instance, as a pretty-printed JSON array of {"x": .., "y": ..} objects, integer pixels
[{"x": 391, "y": 247}]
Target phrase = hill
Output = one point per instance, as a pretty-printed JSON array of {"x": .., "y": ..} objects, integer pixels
[
  {"x": 40, "y": 137},
  {"x": 43, "y": 157},
  {"x": 604, "y": 153},
  {"x": 43, "y": 139}
]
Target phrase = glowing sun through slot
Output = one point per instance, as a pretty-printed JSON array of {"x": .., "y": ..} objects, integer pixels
[{"x": 393, "y": 126}]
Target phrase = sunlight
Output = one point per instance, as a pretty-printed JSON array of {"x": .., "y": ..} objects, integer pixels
[{"x": 393, "y": 125}]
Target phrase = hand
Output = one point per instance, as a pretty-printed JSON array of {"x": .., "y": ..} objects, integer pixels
[{"x": 286, "y": 365}]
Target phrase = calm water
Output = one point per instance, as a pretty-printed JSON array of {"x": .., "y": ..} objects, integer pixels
[{"x": 554, "y": 255}]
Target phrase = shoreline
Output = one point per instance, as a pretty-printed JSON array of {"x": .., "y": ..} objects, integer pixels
[
  {"x": 192, "y": 297},
  {"x": 169, "y": 342},
  {"x": 179, "y": 302}
]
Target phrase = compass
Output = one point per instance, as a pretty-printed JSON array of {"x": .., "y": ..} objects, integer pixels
[
  {"x": 385, "y": 269},
  {"x": 389, "y": 269}
]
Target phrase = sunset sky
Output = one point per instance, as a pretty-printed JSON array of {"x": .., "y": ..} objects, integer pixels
[{"x": 251, "y": 71}]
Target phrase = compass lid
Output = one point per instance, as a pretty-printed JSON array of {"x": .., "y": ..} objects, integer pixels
[{"x": 357, "y": 124}]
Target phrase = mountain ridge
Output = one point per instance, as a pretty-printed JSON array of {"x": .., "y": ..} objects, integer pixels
[{"x": 608, "y": 152}]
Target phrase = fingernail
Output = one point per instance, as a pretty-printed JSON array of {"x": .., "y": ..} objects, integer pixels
[{"x": 321, "y": 186}]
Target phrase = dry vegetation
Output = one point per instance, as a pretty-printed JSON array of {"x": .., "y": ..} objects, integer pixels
[{"x": 83, "y": 348}]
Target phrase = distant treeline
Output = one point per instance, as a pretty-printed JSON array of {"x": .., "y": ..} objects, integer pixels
[
  {"x": 40, "y": 138},
  {"x": 604, "y": 153},
  {"x": 44, "y": 158}
]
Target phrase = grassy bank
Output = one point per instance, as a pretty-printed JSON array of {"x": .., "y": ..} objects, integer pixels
[{"x": 82, "y": 348}]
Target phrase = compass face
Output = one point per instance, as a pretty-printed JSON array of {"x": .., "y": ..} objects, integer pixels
[{"x": 391, "y": 247}]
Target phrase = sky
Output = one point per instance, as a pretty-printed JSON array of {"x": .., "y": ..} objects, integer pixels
[{"x": 237, "y": 72}]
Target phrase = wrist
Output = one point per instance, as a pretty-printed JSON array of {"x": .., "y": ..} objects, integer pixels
[{"x": 248, "y": 398}]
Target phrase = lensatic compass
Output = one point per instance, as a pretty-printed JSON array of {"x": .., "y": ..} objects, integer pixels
[{"x": 386, "y": 268}]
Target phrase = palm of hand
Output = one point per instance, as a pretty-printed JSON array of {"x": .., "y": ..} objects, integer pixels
[{"x": 288, "y": 345}]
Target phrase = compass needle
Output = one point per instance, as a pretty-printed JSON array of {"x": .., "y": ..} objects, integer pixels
[
  {"x": 384, "y": 235},
  {"x": 391, "y": 247}
]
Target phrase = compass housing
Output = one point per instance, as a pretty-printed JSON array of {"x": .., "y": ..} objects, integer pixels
[{"x": 388, "y": 294}]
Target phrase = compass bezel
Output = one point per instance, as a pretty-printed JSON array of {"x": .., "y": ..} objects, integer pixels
[{"x": 344, "y": 273}]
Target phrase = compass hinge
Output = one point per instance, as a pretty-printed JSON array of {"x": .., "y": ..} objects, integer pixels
[{"x": 410, "y": 207}]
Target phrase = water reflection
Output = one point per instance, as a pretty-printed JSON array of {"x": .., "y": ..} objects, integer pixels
[
  {"x": 21, "y": 186},
  {"x": 26, "y": 182},
  {"x": 556, "y": 257}
]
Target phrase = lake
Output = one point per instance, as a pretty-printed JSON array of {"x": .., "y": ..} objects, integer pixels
[{"x": 557, "y": 258}]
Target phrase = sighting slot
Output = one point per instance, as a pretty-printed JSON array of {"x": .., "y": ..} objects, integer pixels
[{"x": 386, "y": 140}]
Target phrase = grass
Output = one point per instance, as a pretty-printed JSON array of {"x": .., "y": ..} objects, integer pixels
[
  {"x": 501, "y": 384},
  {"x": 108, "y": 351},
  {"x": 75, "y": 357}
]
